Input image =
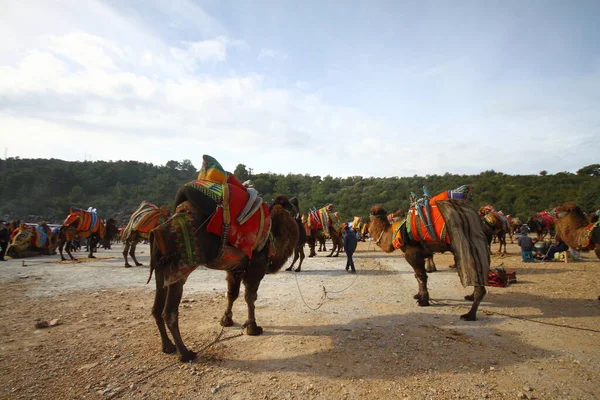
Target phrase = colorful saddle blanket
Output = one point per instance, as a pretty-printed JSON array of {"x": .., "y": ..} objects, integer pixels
[
  {"x": 247, "y": 228},
  {"x": 322, "y": 218},
  {"x": 87, "y": 223},
  {"x": 145, "y": 218},
  {"x": 584, "y": 238},
  {"x": 545, "y": 219},
  {"x": 424, "y": 221},
  {"x": 177, "y": 240}
]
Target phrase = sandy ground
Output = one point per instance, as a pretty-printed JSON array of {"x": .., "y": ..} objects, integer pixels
[{"x": 328, "y": 334}]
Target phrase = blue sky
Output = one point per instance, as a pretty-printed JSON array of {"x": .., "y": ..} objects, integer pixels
[{"x": 341, "y": 88}]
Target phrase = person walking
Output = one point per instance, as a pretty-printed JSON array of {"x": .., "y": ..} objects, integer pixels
[{"x": 350, "y": 243}]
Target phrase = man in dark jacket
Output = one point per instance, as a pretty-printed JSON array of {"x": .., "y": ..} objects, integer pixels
[
  {"x": 4, "y": 239},
  {"x": 350, "y": 242}
]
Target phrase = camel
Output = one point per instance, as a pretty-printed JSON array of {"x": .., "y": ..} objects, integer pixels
[
  {"x": 112, "y": 231},
  {"x": 318, "y": 231},
  {"x": 145, "y": 218},
  {"x": 299, "y": 250},
  {"x": 415, "y": 252},
  {"x": 495, "y": 224},
  {"x": 574, "y": 229},
  {"x": 80, "y": 223},
  {"x": 30, "y": 240},
  {"x": 542, "y": 224},
  {"x": 515, "y": 225},
  {"x": 194, "y": 209}
]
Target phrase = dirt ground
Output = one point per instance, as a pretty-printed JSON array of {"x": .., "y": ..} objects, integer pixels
[{"x": 328, "y": 334}]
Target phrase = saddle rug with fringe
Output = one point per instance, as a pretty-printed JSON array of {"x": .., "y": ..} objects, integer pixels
[
  {"x": 145, "y": 218},
  {"x": 87, "y": 223}
]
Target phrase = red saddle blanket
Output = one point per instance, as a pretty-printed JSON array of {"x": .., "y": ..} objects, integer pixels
[
  {"x": 248, "y": 236},
  {"x": 231, "y": 196}
]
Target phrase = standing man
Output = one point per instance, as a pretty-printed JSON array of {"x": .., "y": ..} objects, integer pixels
[
  {"x": 4, "y": 239},
  {"x": 350, "y": 242}
]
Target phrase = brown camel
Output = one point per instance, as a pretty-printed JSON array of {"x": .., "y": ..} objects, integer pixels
[
  {"x": 208, "y": 249},
  {"x": 416, "y": 252},
  {"x": 574, "y": 229},
  {"x": 541, "y": 226},
  {"x": 299, "y": 250},
  {"x": 515, "y": 225},
  {"x": 495, "y": 224},
  {"x": 145, "y": 218},
  {"x": 80, "y": 223}
]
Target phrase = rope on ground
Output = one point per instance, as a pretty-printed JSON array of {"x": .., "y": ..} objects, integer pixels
[
  {"x": 521, "y": 318},
  {"x": 324, "y": 296},
  {"x": 218, "y": 339}
]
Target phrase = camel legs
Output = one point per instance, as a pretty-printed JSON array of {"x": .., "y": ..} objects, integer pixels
[
  {"x": 431, "y": 267},
  {"x": 298, "y": 253},
  {"x": 160, "y": 298},
  {"x": 92, "y": 243},
  {"x": 169, "y": 298},
  {"x": 252, "y": 280},
  {"x": 417, "y": 262},
  {"x": 130, "y": 248},
  {"x": 322, "y": 246},
  {"x": 67, "y": 249},
  {"x": 502, "y": 241},
  {"x": 234, "y": 280},
  {"x": 478, "y": 295},
  {"x": 311, "y": 245}
]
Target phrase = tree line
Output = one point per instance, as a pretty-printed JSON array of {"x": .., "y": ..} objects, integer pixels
[{"x": 36, "y": 189}]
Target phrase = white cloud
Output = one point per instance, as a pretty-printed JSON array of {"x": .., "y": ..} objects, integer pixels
[{"x": 271, "y": 54}]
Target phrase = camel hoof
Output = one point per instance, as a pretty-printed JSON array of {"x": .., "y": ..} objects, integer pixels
[
  {"x": 252, "y": 329},
  {"x": 336, "y": 255},
  {"x": 227, "y": 320},
  {"x": 297, "y": 269},
  {"x": 329, "y": 255},
  {"x": 468, "y": 317},
  {"x": 417, "y": 296},
  {"x": 138, "y": 264},
  {"x": 127, "y": 265},
  {"x": 423, "y": 302},
  {"x": 288, "y": 269},
  {"x": 92, "y": 256},
  {"x": 169, "y": 348},
  {"x": 188, "y": 356},
  {"x": 469, "y": 297}
]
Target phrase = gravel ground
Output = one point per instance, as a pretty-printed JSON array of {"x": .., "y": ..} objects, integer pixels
[{"x": 328, "y": 334}]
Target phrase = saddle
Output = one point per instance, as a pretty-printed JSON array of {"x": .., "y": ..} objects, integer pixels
[
  {"x": 241, "y": 218},
  {"x": 424, "y": 221},
  {"x": 145, "y": 218}
]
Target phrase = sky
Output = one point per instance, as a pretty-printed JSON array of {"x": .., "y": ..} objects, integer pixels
[{"x": 334, "y": 87}]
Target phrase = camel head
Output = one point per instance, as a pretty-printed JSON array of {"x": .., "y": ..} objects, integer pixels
[
  {"x": 294, "y": 202},
  {"x": 568, "y": 208},
  {"x": 283, "y": 201},
  {"x": 377, "y": 211}
]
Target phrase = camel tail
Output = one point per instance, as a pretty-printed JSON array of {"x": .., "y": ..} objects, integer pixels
[{"x": 151, "y": 240}]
